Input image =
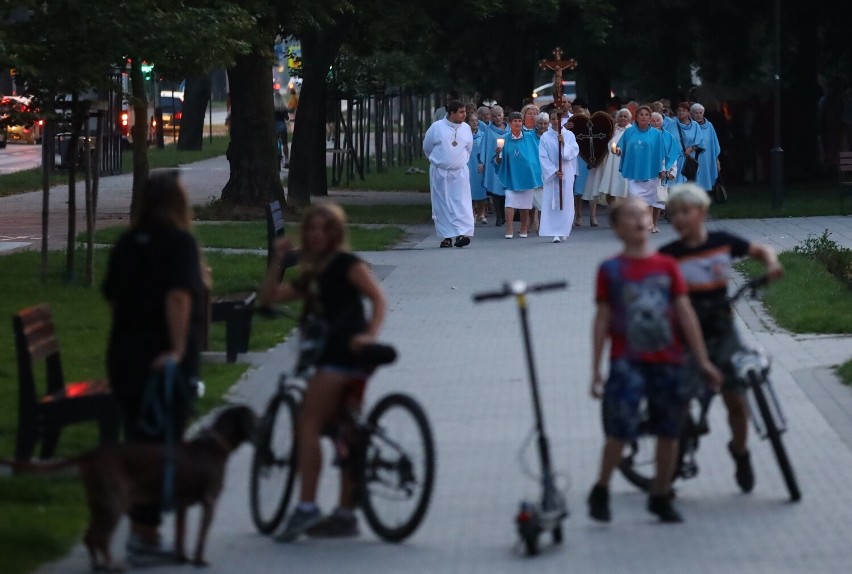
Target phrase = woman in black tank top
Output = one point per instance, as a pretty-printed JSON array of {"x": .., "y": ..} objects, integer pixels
[{"x": 332, "y": 283}]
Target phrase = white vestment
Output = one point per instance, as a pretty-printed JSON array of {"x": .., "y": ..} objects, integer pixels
[
  {"x": 554, "y": 221},
  {"x": 449, "y": 178}
]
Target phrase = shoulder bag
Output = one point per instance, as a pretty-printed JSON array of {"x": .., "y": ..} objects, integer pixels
[{"x": 690, "y": 164}]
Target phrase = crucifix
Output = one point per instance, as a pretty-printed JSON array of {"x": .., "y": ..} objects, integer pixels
[
  {"x": 557, "y": 65},
  {"x": 591, "y": 136}
]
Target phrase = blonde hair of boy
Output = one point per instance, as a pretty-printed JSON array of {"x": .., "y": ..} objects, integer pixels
[{"x": 687, "y": 194}]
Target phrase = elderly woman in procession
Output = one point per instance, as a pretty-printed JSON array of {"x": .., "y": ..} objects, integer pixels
[
  {"x": 606, "y": 180},
  {"x": 708, "y": 162},
  {"x": 519, "y": 171},
  {"x": 491, "y": 132},
  {"x": 689, "y": 135}
]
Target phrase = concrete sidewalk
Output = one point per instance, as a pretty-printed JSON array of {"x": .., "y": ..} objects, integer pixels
[{"x": 464, "y": 363}]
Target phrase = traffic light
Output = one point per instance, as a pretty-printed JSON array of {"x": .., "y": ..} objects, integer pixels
[{"x": 146, "y": 70}]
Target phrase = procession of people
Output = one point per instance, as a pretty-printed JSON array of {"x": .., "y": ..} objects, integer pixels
[{"x": 524, "y": 161}]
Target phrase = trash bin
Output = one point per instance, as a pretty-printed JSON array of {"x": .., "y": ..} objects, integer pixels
[{"x": 63, "y": 140}]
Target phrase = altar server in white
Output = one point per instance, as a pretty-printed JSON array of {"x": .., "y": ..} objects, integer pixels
[
  {"x": 556, "y": 219},
  {"x": 447, "y": 144}
]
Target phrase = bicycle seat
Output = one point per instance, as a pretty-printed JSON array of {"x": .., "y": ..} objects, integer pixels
[{"x": 376, "y": 354}]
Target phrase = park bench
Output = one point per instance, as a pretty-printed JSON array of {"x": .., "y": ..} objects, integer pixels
[
  {"x": 236, "y": 310},
  {"x": 42, "y": 417},
  {"x": 844, "y": 168}
]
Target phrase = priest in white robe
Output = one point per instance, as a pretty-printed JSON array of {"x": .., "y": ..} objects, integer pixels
[
  {"x": 556, "y": 218},
  {"x": 448, "y": 144}
]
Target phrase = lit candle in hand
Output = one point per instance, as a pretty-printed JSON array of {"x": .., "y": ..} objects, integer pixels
[
  {"x": 613, "y": 147},
  {"x": 500, "y": 143}
]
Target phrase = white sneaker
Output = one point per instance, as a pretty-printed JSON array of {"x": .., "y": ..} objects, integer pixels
[{"x": 556, "y": 239}]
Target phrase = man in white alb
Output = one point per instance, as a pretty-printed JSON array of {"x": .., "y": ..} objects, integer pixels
[
  {"x": 557, "y": 215},
  {"x": 447, "y": 144}
]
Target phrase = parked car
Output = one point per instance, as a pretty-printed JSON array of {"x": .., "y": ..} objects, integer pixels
[
  {"x": 19, "y": 116},
  {"x": 543, "y": 95},
  {"x": 172, "y": 105}
]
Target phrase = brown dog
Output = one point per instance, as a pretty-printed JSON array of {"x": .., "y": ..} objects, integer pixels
[{"x": 117, "y": 477}]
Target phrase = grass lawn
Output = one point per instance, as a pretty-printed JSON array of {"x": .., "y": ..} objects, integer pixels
[
  {"x": 808, "y": 299},
  {"x": 252, "y": 235},
  {"x": 800, "y": 200},
  {"x": 845, "y": 372},
  {"x": 390, "y": 179},
  {"x": 30, "y": 180}
]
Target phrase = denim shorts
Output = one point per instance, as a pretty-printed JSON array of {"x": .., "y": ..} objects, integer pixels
[
  {"x": 720, "y": 349},
  {"x": 661, "y": 384}
]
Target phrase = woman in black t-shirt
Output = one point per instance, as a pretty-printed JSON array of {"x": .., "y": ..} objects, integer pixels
[
  {"x": 332, "y": 283},
  {"x": 155, "y": 287}
]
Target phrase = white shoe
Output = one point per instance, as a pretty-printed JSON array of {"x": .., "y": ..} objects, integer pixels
[{"x": 556, "y": 239}]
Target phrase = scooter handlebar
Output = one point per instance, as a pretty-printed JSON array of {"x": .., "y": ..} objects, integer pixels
[{"x": 518, "y": 288}]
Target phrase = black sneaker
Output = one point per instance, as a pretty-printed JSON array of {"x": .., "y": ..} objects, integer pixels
[
  {"x": 662, "y": 507},
  {"x": 744, "y": 474},
  {"x": 599, "y": 504},
  {"x": 462, "y": 240},
  {"x": 336, "y": 525}
]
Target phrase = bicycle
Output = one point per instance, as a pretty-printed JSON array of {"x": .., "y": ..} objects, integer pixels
[
  {"x": 751, "y": 365},
  {"x": 390, "y": 453}
]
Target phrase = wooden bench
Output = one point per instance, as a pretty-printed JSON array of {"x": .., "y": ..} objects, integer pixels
[
  {"x": 844, "y": 169},
  {"x": 236, "y": 312},
  {"x": 41, "y": 418}
]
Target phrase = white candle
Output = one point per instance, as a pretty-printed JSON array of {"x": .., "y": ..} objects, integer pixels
[
  {"x": 613, "y": 147},
  {"x": 500, "y": 143}
]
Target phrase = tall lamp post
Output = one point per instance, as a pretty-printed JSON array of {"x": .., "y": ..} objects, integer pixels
[{"x": 777, "y": 154}]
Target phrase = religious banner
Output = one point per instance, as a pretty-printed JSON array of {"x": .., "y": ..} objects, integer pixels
[{"x": 593, "y": 135}]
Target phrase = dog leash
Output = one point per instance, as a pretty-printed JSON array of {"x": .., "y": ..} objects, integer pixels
[{"x": 169, "y": 461}]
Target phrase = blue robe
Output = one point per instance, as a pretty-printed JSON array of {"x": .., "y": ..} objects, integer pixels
[
  {"x": 490, "y": 133},
  {"x": 691, "y": 136},
  {"x": 520, "y": 169},
  {"x": 642, "y": 153},
  {"x": 707, "y": 171},
  {"x": 477, "y": 190},
  {"x": 582, "y": 176}
]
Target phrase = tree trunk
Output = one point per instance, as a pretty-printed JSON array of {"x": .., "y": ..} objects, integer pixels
[
  {"x": 140, "y": 133},
  {"x": 79, "y": 114},
  {"x": 308, "y": 173},
  {"x": 195, "y": 99},
  {"x": 255, "y": 171},
  {"x": 46, "y": 165}
]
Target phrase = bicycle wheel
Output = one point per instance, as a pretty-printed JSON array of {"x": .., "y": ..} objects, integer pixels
[
  {"x": 398, "y": 468},
  {"x": 273, "y": 469},
  {"x": 774, "y": 436},
  {"x": 637, "y": 462}
]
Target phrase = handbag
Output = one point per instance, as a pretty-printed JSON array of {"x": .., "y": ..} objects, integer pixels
[
  {"x": 662, "y": 193},
  {"x": 720, "y": 194},
  {"x": 690, "y": 163}
]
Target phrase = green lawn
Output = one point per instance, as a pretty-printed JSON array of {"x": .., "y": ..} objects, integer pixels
[
  {"x": 800, "y": 200},
  {"x": 390, "y": 179},
  {"x": 845, "y": 372},
  {"x": 808, "y": 299},
  {"x": 252, "y": 235}
]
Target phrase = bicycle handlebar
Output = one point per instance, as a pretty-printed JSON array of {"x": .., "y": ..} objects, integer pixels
[
  {"x": 516, "y": 288},
  {"x": 752, "y": 285}
]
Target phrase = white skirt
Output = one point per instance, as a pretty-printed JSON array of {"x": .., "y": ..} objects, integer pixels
[
  {"x": 538, "y": 193},
  {"x": 645, "y": 189},
  {"x": 522, "y": 199}
]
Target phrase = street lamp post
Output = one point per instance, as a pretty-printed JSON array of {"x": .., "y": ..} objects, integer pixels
[{"x": 777, "y": 154}]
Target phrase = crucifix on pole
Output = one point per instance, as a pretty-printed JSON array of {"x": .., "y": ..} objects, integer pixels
[{"x": 557, "y": 65}]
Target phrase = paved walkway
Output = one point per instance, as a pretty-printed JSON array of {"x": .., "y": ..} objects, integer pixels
[{"x": 464, "y": 363}]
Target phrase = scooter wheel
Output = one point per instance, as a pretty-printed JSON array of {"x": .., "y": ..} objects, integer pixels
[
  {"x": 531, "y": 543},
  {"x": 557, "y": 535}
]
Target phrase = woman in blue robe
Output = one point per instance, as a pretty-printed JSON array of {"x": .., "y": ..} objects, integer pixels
[
  {"x": 708, "y": 162},
  {"x": 490, "y": 133},
  {"x": 519, "y": 171},
  {"x": 643, "y": 161},
  {"x": 692, "y": 137},
  {"x": 476, "y": 168}
]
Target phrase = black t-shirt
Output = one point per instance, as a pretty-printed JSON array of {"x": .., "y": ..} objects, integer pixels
[
  {"x": 707, "y": 269},
  {"x": 332, "y": 297},
  {"x": 144, "y": 265}
]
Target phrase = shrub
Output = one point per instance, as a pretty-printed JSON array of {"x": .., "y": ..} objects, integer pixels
[{"x": 837, "y": 259}]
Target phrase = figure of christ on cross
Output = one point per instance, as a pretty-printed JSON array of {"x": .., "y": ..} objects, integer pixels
[{"x": 557, "y": 65}]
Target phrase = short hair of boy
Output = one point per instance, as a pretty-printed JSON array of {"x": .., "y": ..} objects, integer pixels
[
  {"x": 622, "y": 205},
  {"x": 688, "y": 194}
]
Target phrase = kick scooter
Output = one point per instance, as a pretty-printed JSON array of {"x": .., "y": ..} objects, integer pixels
[{"x": 546, "y": 513}]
